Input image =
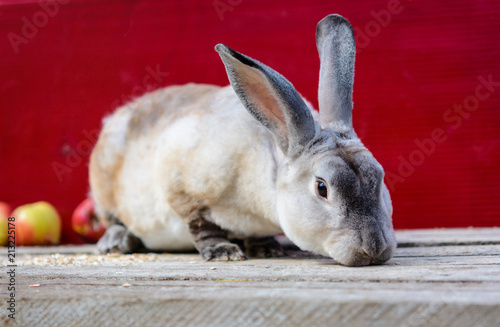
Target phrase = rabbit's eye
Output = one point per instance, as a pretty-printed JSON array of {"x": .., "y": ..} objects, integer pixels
[{"x": 321, "y": 189}]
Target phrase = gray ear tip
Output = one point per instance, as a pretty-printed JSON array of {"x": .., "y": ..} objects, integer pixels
[
  {"x": 335, "y": 19},
  {"x": 332, "y": 21},
  {"x": 221, "y": 48}
]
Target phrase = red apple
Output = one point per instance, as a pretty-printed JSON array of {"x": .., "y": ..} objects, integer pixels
[
  {"x": 85, "y": 222},
  {"x": 5, "y": 209},
  {"x": 37, "y": 223},
  {"x": 4, "y": 215}
]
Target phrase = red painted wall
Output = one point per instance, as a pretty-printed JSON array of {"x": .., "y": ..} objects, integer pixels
[{"x": 427, "y": 88}]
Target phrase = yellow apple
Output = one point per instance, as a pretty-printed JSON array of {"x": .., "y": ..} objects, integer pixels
[
  {"x": 37, "y": 224},
  {"x": 3, "y": 231},
  {"x": 4, "y": 215}
]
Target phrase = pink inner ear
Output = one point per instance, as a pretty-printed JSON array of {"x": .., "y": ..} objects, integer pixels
[{"x": 260, "y": 92}]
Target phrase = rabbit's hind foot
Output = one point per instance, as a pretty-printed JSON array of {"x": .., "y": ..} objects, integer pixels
[
  {"x": 118, "y": 239},
  {"x": 211, "y": 240},
  {"x": 263, "y": 247}
]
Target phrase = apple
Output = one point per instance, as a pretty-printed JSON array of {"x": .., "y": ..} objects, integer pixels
[
  {"x": 5, "y": 209},
  {"x": 85, "y": 222},
  {"x": 37, "y": 223},
  {"x": 4, "y": 215}
]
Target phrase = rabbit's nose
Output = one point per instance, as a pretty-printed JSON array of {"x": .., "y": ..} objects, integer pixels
[{"x": 374, "y": 243}]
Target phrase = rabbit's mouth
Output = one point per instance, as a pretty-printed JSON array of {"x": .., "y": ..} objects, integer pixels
[
  {"x": 382, "y": 257},
  {"x": 360, "y": 258}
]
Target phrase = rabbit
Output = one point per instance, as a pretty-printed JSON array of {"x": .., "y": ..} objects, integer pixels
[{"x": 187, "y": 167}]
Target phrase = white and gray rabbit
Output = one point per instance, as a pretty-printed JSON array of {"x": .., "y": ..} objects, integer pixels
[{"x": 189, "y": 166}]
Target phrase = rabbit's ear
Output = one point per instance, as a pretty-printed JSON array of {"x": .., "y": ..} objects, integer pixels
[
  {"x": 336, "y": 47},
  {"x": 271, "y": 99}
]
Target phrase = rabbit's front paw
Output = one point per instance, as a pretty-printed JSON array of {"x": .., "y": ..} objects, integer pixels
[
  {"x": 263, "y": 247},
  {"x": 222, "y": 251},
  {"x": 118, "y": 239}
]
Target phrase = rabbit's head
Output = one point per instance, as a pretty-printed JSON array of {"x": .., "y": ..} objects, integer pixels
[{"x": 331, "y": 198}]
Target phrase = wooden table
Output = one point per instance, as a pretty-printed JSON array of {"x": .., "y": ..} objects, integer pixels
[{"x": 439, "y": 277}]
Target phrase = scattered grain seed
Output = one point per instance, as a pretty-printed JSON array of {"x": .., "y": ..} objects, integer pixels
[
  {"x": 34, "y": 285},
  {"x": 126, "y": 285},
  {"x": 212, "y": 268},
  {"x": 232, "y": 280}
]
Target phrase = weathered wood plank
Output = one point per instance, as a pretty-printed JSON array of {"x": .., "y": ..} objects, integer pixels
[
  {"x": 420, "y": 286},
  {"x": 448, "y": 236}
]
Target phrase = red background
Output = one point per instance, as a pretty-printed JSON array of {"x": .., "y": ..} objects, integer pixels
[{"x": 87, "y": 57}]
